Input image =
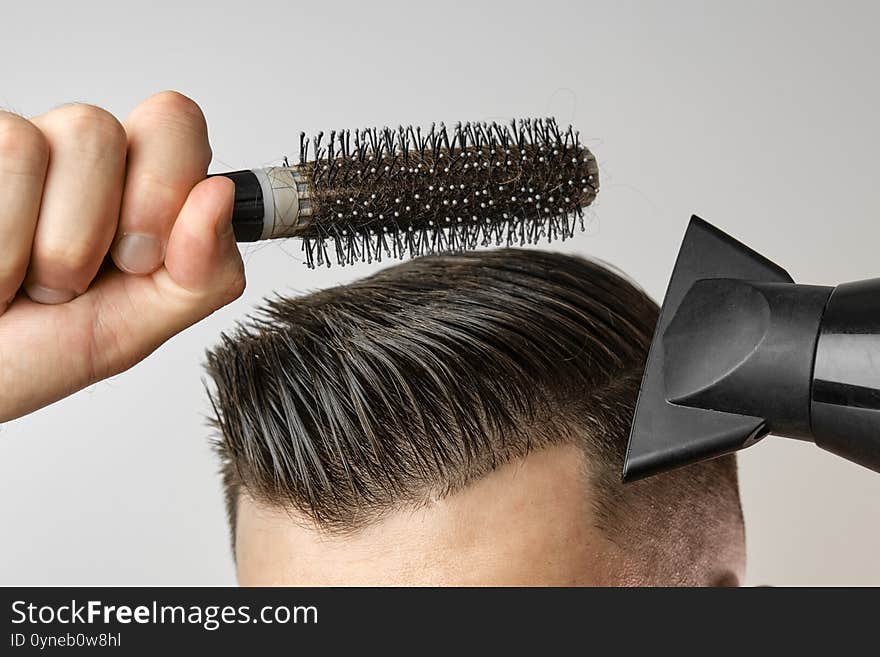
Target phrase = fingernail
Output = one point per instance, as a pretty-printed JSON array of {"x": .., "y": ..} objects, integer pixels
[
  {"x": 136, "y": 253},
  {"x": 47, "y": 295}
]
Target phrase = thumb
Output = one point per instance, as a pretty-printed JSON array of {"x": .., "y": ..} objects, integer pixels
[
  {"x": 202, "y": 256},
  {"x": 203, "y": 271}
]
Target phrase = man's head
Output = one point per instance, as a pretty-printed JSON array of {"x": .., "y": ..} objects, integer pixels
[{"x": 459, "y": 420}]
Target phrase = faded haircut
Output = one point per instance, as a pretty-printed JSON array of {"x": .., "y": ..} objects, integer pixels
[{"x": 350, "y": 402}]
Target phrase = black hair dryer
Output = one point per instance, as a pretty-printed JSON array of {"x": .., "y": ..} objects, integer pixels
[{"x": 741, "y": 351}]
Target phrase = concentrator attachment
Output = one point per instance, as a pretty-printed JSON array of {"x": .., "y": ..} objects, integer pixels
[{"x": 741, "y": 350}]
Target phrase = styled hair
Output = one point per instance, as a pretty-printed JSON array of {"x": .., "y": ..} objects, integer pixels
[{"x": 353, "y": 401}]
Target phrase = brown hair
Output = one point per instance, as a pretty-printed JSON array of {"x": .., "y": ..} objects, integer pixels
[{"x": 355, "y": 400}]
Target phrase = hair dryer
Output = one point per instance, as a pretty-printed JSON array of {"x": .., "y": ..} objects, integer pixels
[{"x": 741, "y": 351}]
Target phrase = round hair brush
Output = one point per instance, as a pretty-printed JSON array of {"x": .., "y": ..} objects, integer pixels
[{"x": 403, "y": 192}]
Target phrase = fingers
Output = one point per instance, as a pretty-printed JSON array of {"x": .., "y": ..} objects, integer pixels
[
  {"x": 80, "y": 202},
  {"x": 24, "y": 156},
  {"x": 122, "y": 318},
  {"x": 73, "y": 182},
  {"x": 203, "y": 272},
  {"x": 168, "y": 154}
]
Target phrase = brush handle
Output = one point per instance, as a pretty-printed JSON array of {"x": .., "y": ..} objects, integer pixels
[{"x": 269, "y": 203}]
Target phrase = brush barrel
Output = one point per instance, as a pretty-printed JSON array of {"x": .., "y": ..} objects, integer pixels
[
  {"x": 845, "y": 406},
  {"x": 269, "y": 203}
]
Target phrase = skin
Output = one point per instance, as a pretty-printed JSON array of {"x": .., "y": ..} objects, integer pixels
[
  {"x": 528, "y": 523},
  {"x": 77, "y": 185}
]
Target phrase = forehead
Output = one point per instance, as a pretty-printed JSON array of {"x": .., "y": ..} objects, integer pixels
[{"x": 528, "y": 522}]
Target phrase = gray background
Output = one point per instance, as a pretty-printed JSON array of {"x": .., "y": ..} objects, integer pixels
[{"x": 760, "y": 116}]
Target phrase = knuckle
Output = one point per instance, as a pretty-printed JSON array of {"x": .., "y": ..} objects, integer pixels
[
  {"x": 172, "y": 111},
  {"x": 175, "y": 102},
  {"x": 235, "y": 286},
  {"x": 166, "y": 198},
  {"x": 22, "y": 140},
  {"x": 67, "y": 260},
  {"x": 92, "y": 125},
  {"x": 173, "y": 107}
]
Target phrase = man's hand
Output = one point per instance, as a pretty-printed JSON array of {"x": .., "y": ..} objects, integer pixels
[{"x": 75, "y": 185}]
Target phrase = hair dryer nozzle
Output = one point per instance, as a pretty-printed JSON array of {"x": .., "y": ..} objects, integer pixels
[
  {"x": 740, "y": 351},
  {"x": 731, "y": 358}
]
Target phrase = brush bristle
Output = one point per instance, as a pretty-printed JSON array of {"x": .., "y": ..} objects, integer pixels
[{"x": 403, "y": 193}]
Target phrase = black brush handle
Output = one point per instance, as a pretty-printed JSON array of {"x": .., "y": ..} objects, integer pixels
[{"x": 249, "y": 210}]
